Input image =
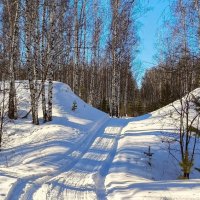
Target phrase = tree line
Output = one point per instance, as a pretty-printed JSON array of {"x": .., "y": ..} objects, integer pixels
[
  {"x": 176, "y": 75},
  {"x": 178, "y": 56},
  {"x": 86, "y": 44},
  {"x": 74, "y": 42}
]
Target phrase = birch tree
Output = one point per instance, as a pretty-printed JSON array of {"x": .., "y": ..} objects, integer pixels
[
  {"x": 3, "y": 108},
  {"x": 13, "y": 10},
  {"x": 82, "y": 45},
  {"x": 95, "y": 54},
  {"x": 52, "y": 56},
  {"x": 114, "y": 42},
  {"x": 120, "y": 48},
  {"x": 32, "y": 54},
  {"x": 76, "y": 47},
  {"x": 44, "y": 60}
]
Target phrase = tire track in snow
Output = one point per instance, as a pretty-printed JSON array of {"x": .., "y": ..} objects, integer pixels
[
  {"x": 86, "y": 179},
  {"x": 25, "y": 187}
]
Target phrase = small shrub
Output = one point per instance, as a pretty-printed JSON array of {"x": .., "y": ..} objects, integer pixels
[{"x": 74, "y": 106}]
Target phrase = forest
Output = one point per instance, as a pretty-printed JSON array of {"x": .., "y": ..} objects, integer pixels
[
  {"x": 63, "y": 62},
  {"x": 91, "y": 46}
]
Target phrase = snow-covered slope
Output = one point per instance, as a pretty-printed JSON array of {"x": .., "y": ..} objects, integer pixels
[
  {"x": 84, "y": 154},
  {"x": 133, "y": 176},
  {"x": 34, "y": 154}
]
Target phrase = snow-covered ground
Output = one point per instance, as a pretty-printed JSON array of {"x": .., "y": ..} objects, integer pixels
[
  {"x": 85, "y": 154},
  {"x": 133, "y": 176}
]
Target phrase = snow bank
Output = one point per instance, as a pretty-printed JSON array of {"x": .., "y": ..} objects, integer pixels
[{"x": 133, "y": 175}]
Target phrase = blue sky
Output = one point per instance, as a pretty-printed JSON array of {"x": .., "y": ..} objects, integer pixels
[
  {"x": 150, "y": 24},
  {"x": 149, "y": 20}
]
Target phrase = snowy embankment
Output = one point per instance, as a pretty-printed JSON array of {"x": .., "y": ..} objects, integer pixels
[
  {"x": 133, "y": 176},
  {"x": 34, "y": 154},
  {"x": 84, "y": 154}
]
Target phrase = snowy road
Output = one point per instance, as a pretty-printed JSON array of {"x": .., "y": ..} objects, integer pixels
[
  {"x": 80, "y": 173},
  {"x": 85, "y": 180}
]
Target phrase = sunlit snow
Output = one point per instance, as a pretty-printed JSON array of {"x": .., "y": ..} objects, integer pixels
[{"x": 85, "y": 154}]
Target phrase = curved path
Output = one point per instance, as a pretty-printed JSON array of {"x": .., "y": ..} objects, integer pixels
[
  {"x": 81, "y": 172},
  {"x": 85, "y": 180}
]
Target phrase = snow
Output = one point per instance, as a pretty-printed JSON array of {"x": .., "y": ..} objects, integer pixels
[
  {"x": 131, "y": 177},
  {"x": 85, "y": 154}
]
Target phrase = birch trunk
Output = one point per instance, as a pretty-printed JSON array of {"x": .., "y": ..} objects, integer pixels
[
  {"x": 125, "y": 93},
  {"x": 76, "y": 48},
  {"x": 2, "y": 109},
  {"x": 29, "y": 28},
  {"x": 14, "y": 26},
  {"x": 52, "y": 58},
  {"x": 37, "y": 60},
  {"x": 44, "y": 63},
  {"x": 84, "y": 32},
  {"x": 114, "y": 96}
]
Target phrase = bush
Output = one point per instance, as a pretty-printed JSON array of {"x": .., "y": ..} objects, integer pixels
[{"x": 74, "y": 106}]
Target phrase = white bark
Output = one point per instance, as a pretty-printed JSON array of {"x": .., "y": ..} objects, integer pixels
[
  {"x": 2, "y": 109},
  {"x": 76, "y": 48},
  {"x": 33, "y": 54},
  {"x": 115, "y": 84},
  {"x": 44, "y": 59},
  {"x": 51, "y": 46},
  {"x": 12, "y": 112}
]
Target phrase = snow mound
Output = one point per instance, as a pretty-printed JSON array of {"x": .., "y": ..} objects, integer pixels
[{"x": 37, "y": 153}]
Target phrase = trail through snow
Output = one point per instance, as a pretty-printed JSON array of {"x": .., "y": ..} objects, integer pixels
[
  {"x": 85, "y": 180},
  {"x": 85, "y": 154},
  {"x": 81, "y": 172}
]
